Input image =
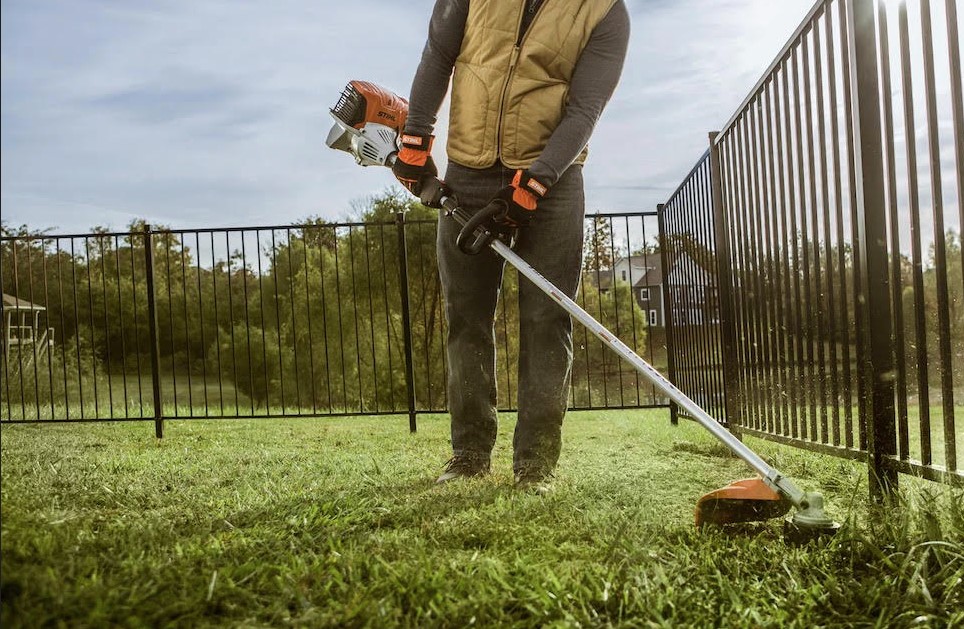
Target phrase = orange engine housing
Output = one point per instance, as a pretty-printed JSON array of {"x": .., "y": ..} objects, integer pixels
[{"x": 380, "y": 105}]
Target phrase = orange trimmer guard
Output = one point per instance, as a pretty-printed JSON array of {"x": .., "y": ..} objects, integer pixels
[{"x": 747, "y": 500}]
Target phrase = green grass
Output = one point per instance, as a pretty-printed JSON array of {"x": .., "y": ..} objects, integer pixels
[{"x": 337, "y": 522}]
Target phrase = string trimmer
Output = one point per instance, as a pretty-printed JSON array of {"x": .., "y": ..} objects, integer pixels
[{"x": 368, "y": 120}]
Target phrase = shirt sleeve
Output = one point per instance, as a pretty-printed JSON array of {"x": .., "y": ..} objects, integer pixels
[
  {"x": 593, "y": 81},
  {"x": 431, "y": 82}
]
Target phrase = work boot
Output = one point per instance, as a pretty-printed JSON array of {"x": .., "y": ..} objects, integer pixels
[
  {"x": 534, "y": 479},
  {"x": 463, "y": 466}
]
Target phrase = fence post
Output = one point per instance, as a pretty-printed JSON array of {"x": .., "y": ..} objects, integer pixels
[
  {"x": 152, "y": 326},
  {"x": 667, "y": 310},
  {"x": 875, "y": 325},
  {"x": 406, "y": 318},
  {"x": 733, "y": 402}
]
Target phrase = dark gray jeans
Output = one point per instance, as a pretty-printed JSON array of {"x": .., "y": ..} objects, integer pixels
[{"x": 470, "y": 284}]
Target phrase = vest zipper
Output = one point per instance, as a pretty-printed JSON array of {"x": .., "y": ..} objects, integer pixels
[{"x": 512, "y": 62}]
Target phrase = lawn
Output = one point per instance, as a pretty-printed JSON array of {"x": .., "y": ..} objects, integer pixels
[{"x": 337, "y": 522}]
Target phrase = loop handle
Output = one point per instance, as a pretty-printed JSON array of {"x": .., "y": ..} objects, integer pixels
[{"x": 474, "y": 237}]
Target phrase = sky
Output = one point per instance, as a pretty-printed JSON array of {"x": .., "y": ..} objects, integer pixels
[{"x": 213, "y": 113}]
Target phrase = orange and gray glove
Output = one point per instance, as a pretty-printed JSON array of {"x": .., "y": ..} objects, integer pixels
[
  {"x": 520, "y": 198},
  {"x": 414, "y": 164}
]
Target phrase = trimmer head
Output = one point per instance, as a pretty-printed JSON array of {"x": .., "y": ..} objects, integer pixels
[
  {"x": 752, "y": 500},
  {"x": 747, "y": 500},
  {"x": 809, "y": 523}
]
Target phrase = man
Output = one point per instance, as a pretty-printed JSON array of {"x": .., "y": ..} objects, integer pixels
[{"x": 531, "y": 78}]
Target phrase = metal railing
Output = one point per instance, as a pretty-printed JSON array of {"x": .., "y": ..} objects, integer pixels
[
  {"x": 838, "y": 302},
  {"x": 318, "y": 319}
]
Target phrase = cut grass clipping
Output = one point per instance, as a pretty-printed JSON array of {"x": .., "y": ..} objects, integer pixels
[{"x": 338, "y": 522}]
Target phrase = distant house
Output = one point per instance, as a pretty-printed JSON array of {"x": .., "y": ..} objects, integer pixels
[
  {"x": 694, "y": 289},
  {"x": 695, "y": 298},
  {"x": 22, "y": 326}
]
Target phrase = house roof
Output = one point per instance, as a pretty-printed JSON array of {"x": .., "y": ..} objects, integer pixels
[
  {"x": 652, "y": 277},
  {"x": 644, "y": 270},
  {"x": 15, "y": 303}
]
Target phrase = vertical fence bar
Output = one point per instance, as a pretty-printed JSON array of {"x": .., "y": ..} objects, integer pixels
[
  {"x": 73, "y": 284},
  {"x": 371, "y": 317},
  {"x": 615, "y": 293},
  {"x": 277, "y": 318},
  {"x": 16, "y": 289},
  {"x": 710, "y": 293},
  {"x": 632, "y": 300},
  {"x": 120, "y": 316},
  {"x": 812, "y": 248},
  {"x": 354, "y": 312},
  {"x": 200, "y": 314},
  {"x": 247, "y": 319},
  {"x": 217, "y": 321},
  {"x": 152, "y": 327},
  {"x": 33, "y": 334},
  {"x": 860, "y": 308},
  {"x": 711, "y": 296},
  {"x": 324, "y": 312},
  {"x": 764, "y": 238},
  {"x": 406, "y": 318},
  {"x": 872, "y": 234},
  {"x": 93, "y": 336},
  {"x": 824, "y": 278},
  {"x": 234, "y": 352},
  {"x": 294, "y": 325},
  {"x": 733, "y": 182},
  {"x": 5, "y": 367},
  {"x": 262, "y": 257},
  {"x": 668, "y": 309},
  {"x": 940, "y": 240},
  {"x": 803, "y": 261},
  {"x": 749, "y": 272},
  {"x": 311, "y": 338},
  {"x": 897, "y": 305},
  {"x": 767, "y": 95},
  {"x": 957, "y": 107},
  {"x": 604, "y": 355},
  {"x": 168, "y": 245},
  {"x": 920, "y": 326},
  {"x": 843, "y": 331},
  {"x": 724, "y": 280},
  {"x": 780, "y": 244},
  {"x": 187, "y": 326},
  {"x": 63, "y": 340},
  {"x": 660, "y": 317},
  {"x": 788, "y": 234}
]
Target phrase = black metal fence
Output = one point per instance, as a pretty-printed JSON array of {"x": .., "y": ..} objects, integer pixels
[
  {"x": 831, "y": 246},
  {"x": 319, "y": 319}
]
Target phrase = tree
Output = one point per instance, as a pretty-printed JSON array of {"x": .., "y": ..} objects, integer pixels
[{"x": 598, "y": 245}]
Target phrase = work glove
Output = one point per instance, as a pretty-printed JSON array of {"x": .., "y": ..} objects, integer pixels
[
  {"x": 520, "y": 200},
  {"x": 414, "y": 164}
]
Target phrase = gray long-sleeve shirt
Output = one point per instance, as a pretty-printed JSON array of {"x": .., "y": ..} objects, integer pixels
[{"x": 593, "y": 81}]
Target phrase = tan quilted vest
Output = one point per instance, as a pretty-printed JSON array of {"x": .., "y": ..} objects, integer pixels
[{"x": 507, "y": 99}]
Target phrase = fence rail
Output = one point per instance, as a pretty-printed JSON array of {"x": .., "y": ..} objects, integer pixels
[
  {"x": 321, "y": 319},
  {"x": 833, "y": 247}
]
